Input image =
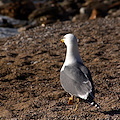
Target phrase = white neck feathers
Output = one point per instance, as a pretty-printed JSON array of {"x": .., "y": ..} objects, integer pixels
[{"x": 72, "y": 55}]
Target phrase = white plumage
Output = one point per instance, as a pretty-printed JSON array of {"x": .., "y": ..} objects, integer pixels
[{"x": 74, "y": 75}]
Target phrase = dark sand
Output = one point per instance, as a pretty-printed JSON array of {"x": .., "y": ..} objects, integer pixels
[{"x": 31, "y": 61}]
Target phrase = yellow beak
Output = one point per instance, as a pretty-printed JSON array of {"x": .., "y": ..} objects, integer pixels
[{"x": 62, "y": 41}]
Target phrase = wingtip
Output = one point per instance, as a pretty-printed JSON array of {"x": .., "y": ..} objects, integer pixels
[
  {"x": 97, "y": 106},
  {"x": 93, "y": 103}
]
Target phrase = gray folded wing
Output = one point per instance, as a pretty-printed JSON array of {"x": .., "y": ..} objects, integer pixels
[{"x": 76, "y": 80}]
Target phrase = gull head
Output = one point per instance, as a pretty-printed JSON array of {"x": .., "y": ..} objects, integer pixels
[{"x": 69, "y": 39}]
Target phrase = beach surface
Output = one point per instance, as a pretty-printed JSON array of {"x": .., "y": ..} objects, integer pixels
[{"x": 30, "y": 64}]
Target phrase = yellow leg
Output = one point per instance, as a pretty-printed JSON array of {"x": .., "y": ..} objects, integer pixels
[
  {"x": 78, "y": 100},
  {"x": 70, "y": 102}
]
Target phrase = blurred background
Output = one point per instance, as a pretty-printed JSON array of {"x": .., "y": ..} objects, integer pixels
[{"x": 20, "y": 15}]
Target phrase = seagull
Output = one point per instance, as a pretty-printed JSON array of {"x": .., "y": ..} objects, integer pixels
[{"x": 75, "y": 77}]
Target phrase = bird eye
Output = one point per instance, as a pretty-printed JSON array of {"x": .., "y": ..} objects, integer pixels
[{"x": 63, "y": 37}]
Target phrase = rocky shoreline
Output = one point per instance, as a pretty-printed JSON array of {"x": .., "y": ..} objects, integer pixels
[
  {"x": 30, "y": 63},
  {"x": 46, "y": 11},
  {"x": 21, "y": 15}
]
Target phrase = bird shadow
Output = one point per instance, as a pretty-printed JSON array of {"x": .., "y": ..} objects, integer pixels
[{"x": 112, "y": 112}]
